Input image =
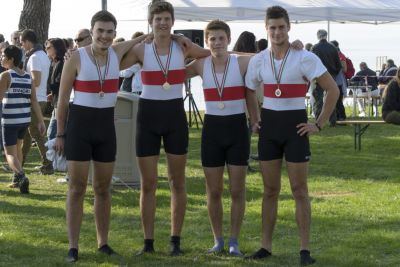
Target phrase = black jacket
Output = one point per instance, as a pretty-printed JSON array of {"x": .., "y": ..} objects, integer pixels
[
  {"x": 329, "y": 56},
  {"x": 391, "y": 101},
  {"x": 359, "y": 78}
]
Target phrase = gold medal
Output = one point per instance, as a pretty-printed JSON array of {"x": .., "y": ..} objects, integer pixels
[
  {"x": 166, "y": 86},
  {"x": 101, "y": 94},
  {"x": 221, "y": 105},
  {"x": 278, "y": 92}
]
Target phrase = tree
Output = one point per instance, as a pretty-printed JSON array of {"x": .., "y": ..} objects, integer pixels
[{"x": 35, "y": 15}]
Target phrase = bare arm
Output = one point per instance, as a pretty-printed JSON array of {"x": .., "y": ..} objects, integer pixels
[
  {"x": 194, "y": 68},
  {"x": 122, "y": 48},
  {"x": 195, "y": 51},
  {"x": 36, "y": 108},
  {"x": 332, "y": 94},
  {"x": 4, "y": 84},
  {"x": 36, "y": 77},
  {"x": 133, "y": 56},
  {"x": 252, "y": 108},
  {"x": 69, "y": 73}
]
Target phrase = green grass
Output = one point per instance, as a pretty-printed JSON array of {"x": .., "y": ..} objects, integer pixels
[{"x": 355, "y": 202}]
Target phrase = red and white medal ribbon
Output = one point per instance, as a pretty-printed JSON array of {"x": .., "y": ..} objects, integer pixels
[
  {"x": 220, "y": 87},
  {"x": 101, "y": 79},
  {"x": 278, "y": 76},
  {"x": 165, "y": 70}
]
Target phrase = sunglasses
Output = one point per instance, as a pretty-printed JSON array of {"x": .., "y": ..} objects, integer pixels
[{"x": 80, "y": 39}]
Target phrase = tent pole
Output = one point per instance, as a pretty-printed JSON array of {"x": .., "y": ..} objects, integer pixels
[{"x": 329, "y": 30}]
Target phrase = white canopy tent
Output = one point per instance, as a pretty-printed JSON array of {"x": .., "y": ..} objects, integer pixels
[{"x": 367, "y": 11}]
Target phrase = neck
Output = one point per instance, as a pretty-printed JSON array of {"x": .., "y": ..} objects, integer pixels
[
  {"x": 98, "y": 51},
  {"x": 220, "y": 60},
  {"x": 16, "y": 69},
  {"x": 279, "y": 51},
  {"x": 162, "y": 41}
]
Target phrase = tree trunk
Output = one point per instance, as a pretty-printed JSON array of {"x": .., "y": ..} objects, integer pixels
[{"x": 35, "y": 15}]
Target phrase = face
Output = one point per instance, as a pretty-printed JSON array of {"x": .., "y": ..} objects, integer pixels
[
  {"x": 83, "y": 39},
  {"x": 278, "y": 30},
  {"x": 103, "y": 34},
  {"x": 363, "y": 66},
  {"x": 25, "y": 44},
  {"x": 162, "y": 23},
  {"x": 50, "y": 50},
  {"x": 15, "y": 40},
  {"x": 5, "y": 62},
  {"x": 217, "y": 41}
]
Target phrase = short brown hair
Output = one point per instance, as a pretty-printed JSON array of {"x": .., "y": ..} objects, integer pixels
[
  {"x": 276, "y": 12},
  {"x": 105, "y": 16},
  {"x": 157, "y": 7},
  {"x": 218, "y": 25}
]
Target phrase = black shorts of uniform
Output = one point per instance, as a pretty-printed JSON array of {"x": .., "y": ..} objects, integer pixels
[
  {"x": 278, "y": 136},
  {"x": 161, "y": 119},
  {"x": 11, "y": 133},
  {"x": 90, "y": 134},
  {"x": 225, "y": 139}
]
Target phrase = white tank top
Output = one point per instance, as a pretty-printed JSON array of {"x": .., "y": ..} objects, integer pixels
[
  {"x": 87, "y": 84},
  {"x": 233, "y": 95},
  {"x": 153, "y": 77}
]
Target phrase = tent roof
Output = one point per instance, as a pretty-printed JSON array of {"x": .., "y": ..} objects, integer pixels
[{"x": 370, "y": 11}]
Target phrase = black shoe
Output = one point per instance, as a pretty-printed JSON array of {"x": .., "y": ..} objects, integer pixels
[
  {"x": 176, "y": 251},
  {"x": 24, "y": 185},
  {"x": 305, "y": 258},
  {"x": 72, "y": 255},
  {"x": 259, "y": 254},
  {"x": 106, "y": 249}
]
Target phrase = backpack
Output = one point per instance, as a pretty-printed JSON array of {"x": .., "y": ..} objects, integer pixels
[{"x": 350, "y": 69}]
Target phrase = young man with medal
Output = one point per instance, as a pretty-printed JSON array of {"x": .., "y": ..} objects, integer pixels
[
  {"x": 284, "y": 130},
  {"x": 161, "y": 115},
  {"x": 225, "y": 133},
  {"x": 92, "y": 72}
]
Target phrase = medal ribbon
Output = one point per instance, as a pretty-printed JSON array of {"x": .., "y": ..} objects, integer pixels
[
  {"x": 278, "y": 76},
  {"x": 101, "y": 79},
  {"x": 220, "y": 88},
  {"x": 166, "y": 69}
]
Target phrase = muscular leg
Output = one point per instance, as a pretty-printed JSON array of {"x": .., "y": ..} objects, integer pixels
[
  {"x": 237, "y": 180},
  {"x": 148, "y": 186},
  {"x": 102, "y": 204},
  {"x": 12, "y": 156},
  {"x": 298, "y": 182},
  {"x": 215, "y": 187},
  {"x": 78, "y": 172},
  {"x": 271, "y": 172},
  {"x": 176, "y": 175}
]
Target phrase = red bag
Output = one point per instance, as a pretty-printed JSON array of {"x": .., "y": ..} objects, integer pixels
[{"x": 350, "y": 69}]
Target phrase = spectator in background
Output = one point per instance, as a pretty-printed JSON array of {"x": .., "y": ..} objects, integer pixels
[
  {"x": 365, "y": 77},
  {"x": 330, "y": 58},
  {"x": 132, "y": 78},
  {"x": 15, "y": 40},
  {"x": 18, "y": 97},
  {"x": 1, "y": 38},
  {"x": 262, "y": 44},
  {"x": 391, "y": 101},
  {"x": 83, "y": 38},
  {"x": 246, "y": 43},
  {"x": 308, "y": 46},
  {"x": 38, "y": 65},
  {"x": 387, "y": 74},
  {"x": 55, "y": 49},
  {"x": 341, "y": 83}
]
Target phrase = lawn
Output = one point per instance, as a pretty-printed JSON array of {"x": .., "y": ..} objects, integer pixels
[{"x": 355, "y": 202}]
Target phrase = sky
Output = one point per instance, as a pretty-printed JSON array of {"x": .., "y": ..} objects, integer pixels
[{"x": 359, "y": 42}]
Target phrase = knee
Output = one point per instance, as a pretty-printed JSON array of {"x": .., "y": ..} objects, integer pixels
[
  {"x": 271, "y": 192},
  {"x": 178, "y": 186},
  {"x": 237, "y": 194},
  {"x": 300, "y": 192},
  {"x": 77, "y": 190},
  {"x": 214, "y": 194},
  {"x": 148, "y": 187},
  {"x": 101, "y": 190}
]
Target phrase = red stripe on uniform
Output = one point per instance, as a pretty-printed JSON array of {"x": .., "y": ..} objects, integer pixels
[
  {"x": 288, "y": 90},
  {"x": 230, "y": 93},
  {"x": 109, "y": 86},
  {"x": 157, "y": 77}
]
